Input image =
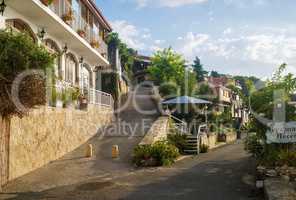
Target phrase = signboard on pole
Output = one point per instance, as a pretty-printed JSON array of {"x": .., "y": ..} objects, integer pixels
[{"x": 282, "y": 133}]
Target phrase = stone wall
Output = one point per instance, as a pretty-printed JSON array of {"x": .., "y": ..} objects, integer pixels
[
  {"x": 231, "y": 137},
  {"x": 211, "y": 139},
  {"x": 158, "y": 131},
  {"x": 47, "y": 134}
]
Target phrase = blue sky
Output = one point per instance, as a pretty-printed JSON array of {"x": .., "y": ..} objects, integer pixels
[{"x": 248, "y": 37}]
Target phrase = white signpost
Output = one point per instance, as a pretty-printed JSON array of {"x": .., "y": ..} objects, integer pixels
[{"x": 282, "y": 133}]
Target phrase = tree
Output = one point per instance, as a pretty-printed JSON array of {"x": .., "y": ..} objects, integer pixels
[
  {"x": 215, "y": 74},
  {"x": 198, "y": 68},
  {"x": 263, "y": 104},
  {"x": 205, "y": 89},
  {"x": 126, "y": 54},
  {"x": 19, "y": 53},
  {"x": 169, "y": 67}
]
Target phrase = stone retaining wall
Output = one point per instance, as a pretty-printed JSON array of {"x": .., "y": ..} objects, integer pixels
[
  {"x": 158, "y": 131},
  {"x": 231, "y": 137},
  {"x": 47, "y": 134},
  {"x": 210, "y": 140},
  {"x": 279, "y": 189}
]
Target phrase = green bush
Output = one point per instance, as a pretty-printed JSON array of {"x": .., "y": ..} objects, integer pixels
[
  {"x": 168, "y": 90},
  {"x": 254, "y": 146},
  {"x": 158, "y": 154},
  {"x": 204, "y": 148},
  {"x": 18, "y": 54},
  {"x": 287, "y": 158},
  {"x": 178, "y": 141}
]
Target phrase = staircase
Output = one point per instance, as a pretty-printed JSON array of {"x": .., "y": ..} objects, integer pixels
[
  {"x": 193, "y": 141},
  {"x": 192, "y": 144}
]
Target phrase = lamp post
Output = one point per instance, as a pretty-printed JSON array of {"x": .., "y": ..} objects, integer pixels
[
  {"x": 41, "y": 33},
  {"x": 2, "y": 7},
  {"x": 206, "y": 114},
  {"x": 65, "y": 49}
]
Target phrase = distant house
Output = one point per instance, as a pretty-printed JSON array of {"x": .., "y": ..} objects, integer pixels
[
  {"x": 140, "y": 67},
  {"x": 227, "y": 98}
]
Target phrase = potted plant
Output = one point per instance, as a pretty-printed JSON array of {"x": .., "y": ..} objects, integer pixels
[
  {"x": 94, "y": 44},
  {"x": 47, "y": 2},
  {"x": 75, "y": 96},
  {"x": 83, "y": 102},
  {"x": 81, "y": 33},
  {"x": 68, "y": 17},
  {"x": 59, "y": 102}
]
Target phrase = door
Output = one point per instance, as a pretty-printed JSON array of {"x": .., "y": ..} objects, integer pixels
[{"x": 4, "y": 150}]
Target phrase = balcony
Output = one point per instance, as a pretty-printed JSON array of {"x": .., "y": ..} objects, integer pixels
[
  {"x": 53, "y": 20},
  {"x": 65, "y": 11}
]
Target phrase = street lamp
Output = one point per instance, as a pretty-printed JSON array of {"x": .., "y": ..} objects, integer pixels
[
  {"x": 2, "y": 7},
  {"x": 41, "y": 33},
  {"x": 206, "y": 114},
  {"x": 65, "y": 49},
  {"x": 81, "y": 60}
]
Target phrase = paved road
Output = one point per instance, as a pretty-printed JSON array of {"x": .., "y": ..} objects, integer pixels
[{"x": 223, "y": 174}]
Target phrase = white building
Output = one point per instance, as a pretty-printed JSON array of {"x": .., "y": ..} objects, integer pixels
[{"x": 73, "y": 29}]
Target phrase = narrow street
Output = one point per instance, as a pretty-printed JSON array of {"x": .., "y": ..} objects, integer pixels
[{"x": 223, "y": 174}]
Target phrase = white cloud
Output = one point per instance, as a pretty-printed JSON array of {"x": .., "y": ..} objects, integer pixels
[
  {"x": 270, "y": 48},
  {"x": 130, "y": 34},
  {"x": 246, "y": 3},
  {"x": 159, "y": 42},
  {"x": 227, "y": 31},
  {"x": 168, "y": 3},
  {"x": 137, "y": 38},
  {"x": 196, "y": 44}
]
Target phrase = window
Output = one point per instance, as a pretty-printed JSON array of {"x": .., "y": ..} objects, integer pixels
[
  {"x": 53, "y": 48},
  {"x": 21, "y": 26},
  {"x": 70, "y": 67},
  {"x": 225, "y": 93},
  {"x": 76, "y": 6}
]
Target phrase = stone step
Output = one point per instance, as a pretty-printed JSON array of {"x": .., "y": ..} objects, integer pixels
[{"x": 191, "y": 151}]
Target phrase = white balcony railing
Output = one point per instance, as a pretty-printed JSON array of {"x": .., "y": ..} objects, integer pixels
[
  {"x": 64, "y": 10},
  {"x": 100, "y": 98}
]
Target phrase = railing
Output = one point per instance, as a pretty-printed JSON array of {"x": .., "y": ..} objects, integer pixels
[
  {"x": 63, "y": 8},
  {"x": 100, "y": 98},
  {"x": 102, "y": 47},
  {"x": 93, "y": 96},
  {"x": 180, "y": 125}
]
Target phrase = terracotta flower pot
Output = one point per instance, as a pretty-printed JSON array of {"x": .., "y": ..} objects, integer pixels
[
  {"x": 47, "y": 2},
  {"x": 95, "y": 44},
  {"x": 81, "y": 33}
]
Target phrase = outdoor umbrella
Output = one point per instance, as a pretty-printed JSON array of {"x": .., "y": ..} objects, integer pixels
[{"x": 186, "y": 100}]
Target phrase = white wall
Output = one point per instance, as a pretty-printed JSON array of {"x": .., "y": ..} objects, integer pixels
[{"x": 13, "y": 14}]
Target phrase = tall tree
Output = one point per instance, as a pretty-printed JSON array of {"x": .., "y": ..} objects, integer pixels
[
  {"x": 126, "y": 53},
  {"x": 199, "y": 70},
  {"x": 169, "y": 67},
  {"x": 215, "y": 74}
]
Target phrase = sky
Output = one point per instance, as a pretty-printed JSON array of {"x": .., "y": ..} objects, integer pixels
[{"x": 238, "y": 37}]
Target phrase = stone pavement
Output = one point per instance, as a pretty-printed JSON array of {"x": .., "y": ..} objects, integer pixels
[{"x": 223, "y": 174}]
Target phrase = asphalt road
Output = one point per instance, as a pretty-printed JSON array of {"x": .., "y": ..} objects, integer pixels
[{"x": 223, "y": 174}]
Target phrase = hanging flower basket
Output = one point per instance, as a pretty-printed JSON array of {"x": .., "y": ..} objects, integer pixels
[
  {"x": 94, "y": 44},
  {"x": 68, "y": 17},
  {"x": 47, "y": 2}
]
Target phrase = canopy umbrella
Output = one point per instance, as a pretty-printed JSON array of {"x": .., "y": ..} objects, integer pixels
[{"x": 186, "y": 100}]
